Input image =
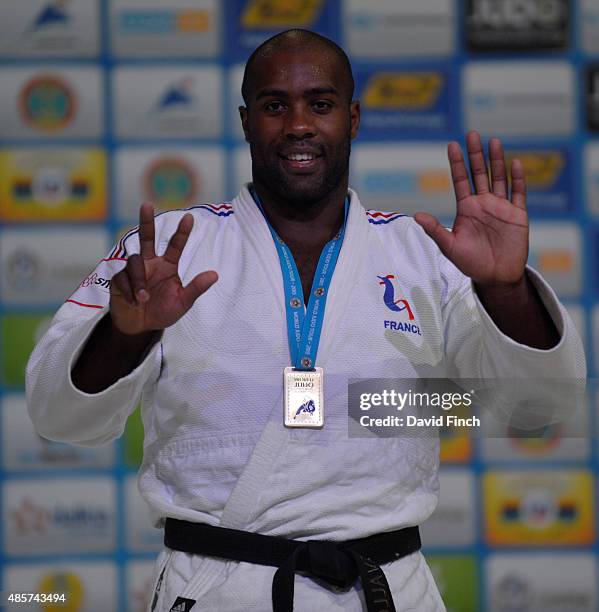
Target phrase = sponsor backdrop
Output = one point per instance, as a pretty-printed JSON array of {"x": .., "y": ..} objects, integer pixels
[{"x": 106, "y": 103}]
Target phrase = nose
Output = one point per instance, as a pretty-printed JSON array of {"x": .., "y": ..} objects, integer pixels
[{"x": 298, "y": 123}]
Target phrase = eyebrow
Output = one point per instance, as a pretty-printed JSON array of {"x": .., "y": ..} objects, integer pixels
[{"x": 281, "y": 93}]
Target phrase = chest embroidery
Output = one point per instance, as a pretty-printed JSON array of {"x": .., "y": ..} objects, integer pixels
[{"x": 399, "y": 306}]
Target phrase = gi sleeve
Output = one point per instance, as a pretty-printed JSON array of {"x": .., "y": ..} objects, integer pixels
[
  {"x": 474, "y": 344},
  {"x": 58, "y": 409},
  {"x": 475, "y": 347}
]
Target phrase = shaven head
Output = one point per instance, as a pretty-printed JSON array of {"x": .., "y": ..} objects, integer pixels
[{"x": 300, "y": 40}]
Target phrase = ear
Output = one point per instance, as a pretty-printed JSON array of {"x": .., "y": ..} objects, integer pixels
[
  {"x": 354, "y": 117},
  {"x": 243, "y": 115}
]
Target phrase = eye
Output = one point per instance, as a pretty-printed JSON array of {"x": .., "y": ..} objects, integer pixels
[
  {"x": 322, "y": 106},
  {"x": 275, "y": 106}
]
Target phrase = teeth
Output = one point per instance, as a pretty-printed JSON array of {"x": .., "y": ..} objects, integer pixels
[{"x": 301, "y": 156}]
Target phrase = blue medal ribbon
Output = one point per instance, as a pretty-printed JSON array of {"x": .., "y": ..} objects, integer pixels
[{"x": 304, "y": 325}]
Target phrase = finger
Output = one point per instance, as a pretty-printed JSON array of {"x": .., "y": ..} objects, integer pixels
[
  {"x": 518, "y": 184},
  {"x": 436, "y": 231},
  {"x": 178, "y": 240},
  {"x": 121, "y": 287},
  {"x": 136, "y": 271},
  {"x": 146, "y": 231},
  {"x": 498, "y": 171},
  {"x": 198, "y": 285},
  {"x": 478, "y": 166},
  {"x": 459, "y": 174}
]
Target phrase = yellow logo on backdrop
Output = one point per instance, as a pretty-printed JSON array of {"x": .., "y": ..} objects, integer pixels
[
  {"x": 62, "y": 582},
  {"x": 539, "y": 508},
  {"x": 193, "y": 21},
  {"x": 455, "y": 446},
  {"x": 53, "y": 184},
  {"x": 403, "y": 90},
  {"x": 555, "y": 261},
  {"x": 434, "y": 181},
  {"x": 455, "y": 449},
  {"x": 542, "y": 168},
  {"x": 280, "y": 13}
]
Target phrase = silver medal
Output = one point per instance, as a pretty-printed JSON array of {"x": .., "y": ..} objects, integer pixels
[{"x": 303, "y": 398}]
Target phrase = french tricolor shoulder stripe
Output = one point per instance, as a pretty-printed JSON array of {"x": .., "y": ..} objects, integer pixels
[
  {"x": 377, "y": 217},
  {"x": 119, "y": 250},
  {"x": 220, "y": 210}
]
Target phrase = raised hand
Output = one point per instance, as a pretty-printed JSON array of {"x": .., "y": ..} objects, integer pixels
[
  {"x": 489, "y": 241},
  {"x": 147, "y": 295}
]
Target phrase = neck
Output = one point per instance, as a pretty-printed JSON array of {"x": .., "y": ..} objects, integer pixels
[{"x": 313, "y": 223}]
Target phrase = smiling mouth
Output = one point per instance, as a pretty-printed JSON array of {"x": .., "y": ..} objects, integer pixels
[
  {"x": 300, "y": 157},
  {"x": 300, "y": 161}
]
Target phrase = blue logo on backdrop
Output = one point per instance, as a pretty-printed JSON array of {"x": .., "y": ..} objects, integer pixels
[
  {"x": 390, "y": 182},
  {"x": 53, "y": 13},
  {"x": 178, "y": 95},
  {"x": 482, "y": 101}
]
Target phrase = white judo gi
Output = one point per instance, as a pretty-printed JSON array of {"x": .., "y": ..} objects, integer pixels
[{"x": 215, "y": 448}]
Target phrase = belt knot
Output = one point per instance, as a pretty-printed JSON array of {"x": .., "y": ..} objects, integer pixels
[
  {"x": 331, "y": 564},
  {"x": 319, "y": 559}
]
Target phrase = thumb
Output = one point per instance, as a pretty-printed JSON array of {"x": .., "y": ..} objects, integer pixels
[
  {"x": 443, "y": 238},
  {"x": 197, "y": 285}
]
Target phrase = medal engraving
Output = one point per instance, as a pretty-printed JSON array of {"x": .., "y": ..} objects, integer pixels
[{"x": 303, "y": 398}]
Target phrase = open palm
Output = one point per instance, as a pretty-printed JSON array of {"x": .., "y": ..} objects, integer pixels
[{"x": 489, "y": 238}]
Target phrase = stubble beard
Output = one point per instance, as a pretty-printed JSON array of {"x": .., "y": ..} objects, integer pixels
[{"x": 298, "y": 190}]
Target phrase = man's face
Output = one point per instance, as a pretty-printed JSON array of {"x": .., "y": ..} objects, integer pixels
[{"x": 299, "y": 124}]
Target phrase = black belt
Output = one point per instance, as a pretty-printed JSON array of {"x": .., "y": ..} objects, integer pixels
[{"x": 339, "y": 564}]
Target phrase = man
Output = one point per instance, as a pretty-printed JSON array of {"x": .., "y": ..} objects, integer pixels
[{"x": 215, "y": 366}]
